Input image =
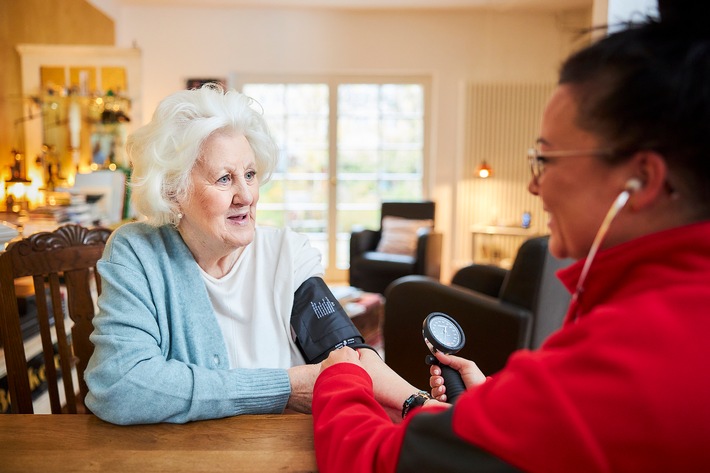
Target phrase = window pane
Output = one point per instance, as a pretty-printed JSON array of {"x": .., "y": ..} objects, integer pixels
[
  {"x": 358, "y": 191},
  {"x": 350, "y": 219},
  {"x": 403, "y": 161},
  {"x": 306, "y": 189},
  {"x": 400, "y": 190},
  {"x": 306, "y": 132},
  {"x": 297, "y": 195},
  {"x": 358, "y": 100},
  {"x": 307, "y": 99},
  {"x": 269, "y": 218},
  {"x": 358, "y": 132},
  {"x": 302, "y": 159},
  {"x": 354, "y": 161},
  {"x": 343, "y": 250},
  {"x": 403, "y": 132},
  {"x": 380, "y": 152},
  {"x": 379, "y": 156},
  {"x": 307, "y": 220},
  {"x": 270, "y": 97},
  {"x": 273, "y": 191},
  {"x": 402, "y": 100}
]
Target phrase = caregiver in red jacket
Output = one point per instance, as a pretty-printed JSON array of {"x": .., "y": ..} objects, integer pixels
[{"x": 622, "y": 165}]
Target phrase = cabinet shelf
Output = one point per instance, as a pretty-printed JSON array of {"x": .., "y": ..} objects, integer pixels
[{"x": 491, "y": 244}]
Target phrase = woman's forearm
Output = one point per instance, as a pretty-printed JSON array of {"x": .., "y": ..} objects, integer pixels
[{"x": 391, "y": 390}]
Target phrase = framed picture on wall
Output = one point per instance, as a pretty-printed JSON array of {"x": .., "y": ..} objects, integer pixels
[{"x": 197, "y": 83}]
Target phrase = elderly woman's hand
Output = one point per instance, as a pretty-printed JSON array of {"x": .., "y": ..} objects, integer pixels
[
  {"x": 341, "y": 355},
  {"x": 302, "y": 379}
]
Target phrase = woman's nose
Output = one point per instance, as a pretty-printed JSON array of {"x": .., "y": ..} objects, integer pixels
[
  {"x": 533, "y": 186},
  {"x": 242, "y": 193}
]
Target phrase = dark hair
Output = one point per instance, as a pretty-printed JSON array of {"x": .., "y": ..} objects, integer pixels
[{"x": 647, "y": 87}]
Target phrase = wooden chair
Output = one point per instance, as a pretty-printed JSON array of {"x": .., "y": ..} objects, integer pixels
[{"x": 66, "y": 256}]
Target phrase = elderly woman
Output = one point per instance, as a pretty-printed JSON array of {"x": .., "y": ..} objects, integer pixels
[
  {"x": 622, "y": 167},
  {"x": 202, "y": 313}
]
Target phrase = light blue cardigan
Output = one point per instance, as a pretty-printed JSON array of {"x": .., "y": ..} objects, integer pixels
[{"x": 160, "y": 355}]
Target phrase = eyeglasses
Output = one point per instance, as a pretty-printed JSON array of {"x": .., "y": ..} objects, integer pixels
[{"x": 537, "y": 158}]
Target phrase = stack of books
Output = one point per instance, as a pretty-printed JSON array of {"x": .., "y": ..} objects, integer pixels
[
  {"x": 7, "y": 233},
  {"x": 65, "y": 208}
]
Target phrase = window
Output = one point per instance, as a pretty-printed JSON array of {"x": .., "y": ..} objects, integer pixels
[{"x": 345, "y": 147}]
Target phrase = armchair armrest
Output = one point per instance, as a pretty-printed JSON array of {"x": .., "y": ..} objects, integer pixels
[
  {"x": 485, "y": 278},
  {"x": 493, "y": 329},
  {"x": 428, "y": 254}
]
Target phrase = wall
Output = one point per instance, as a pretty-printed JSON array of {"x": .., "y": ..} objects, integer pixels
[
  {"x": 454, "y": 48},
  {"x": 38, "y": 22}
]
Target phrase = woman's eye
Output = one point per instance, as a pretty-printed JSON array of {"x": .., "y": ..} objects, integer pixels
[
  {"x": 251, "y": 175},
  {"x": 226, "y": 179}
]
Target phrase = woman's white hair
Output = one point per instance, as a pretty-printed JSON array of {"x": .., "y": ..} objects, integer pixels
[{"x": 164, "y": 151}]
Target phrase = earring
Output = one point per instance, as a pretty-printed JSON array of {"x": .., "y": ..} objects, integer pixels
[{"x": 179, "y": 215}]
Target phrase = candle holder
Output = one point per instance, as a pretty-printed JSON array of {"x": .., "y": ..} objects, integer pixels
[{"x": 15, "y": 187}]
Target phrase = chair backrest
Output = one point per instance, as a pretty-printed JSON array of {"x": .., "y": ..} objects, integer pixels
[
  {"x": 414, "y": 210},
  {"x": 484, "y": 278},
  {"x": 531, "y": 283},
  {"x": 65, "y": 258},
  {"x": 530, "y": 304},
  {"x": 493, "y": 330}
]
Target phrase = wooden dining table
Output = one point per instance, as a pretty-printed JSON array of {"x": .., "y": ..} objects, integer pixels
[{"x": 84, "y": 443}]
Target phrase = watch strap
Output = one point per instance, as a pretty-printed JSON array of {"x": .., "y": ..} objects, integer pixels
[{"x": 415, "y": 400}]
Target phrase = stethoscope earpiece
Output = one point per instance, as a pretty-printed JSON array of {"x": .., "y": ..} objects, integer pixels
[{"x": 633, "y": 184}]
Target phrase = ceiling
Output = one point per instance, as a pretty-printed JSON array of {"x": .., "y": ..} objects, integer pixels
[{"x": 501, "y": 5}]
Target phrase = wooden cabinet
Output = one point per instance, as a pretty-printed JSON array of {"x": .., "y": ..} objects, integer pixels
[
  {"x": 497, "y": 244},
  {"x": 85, "y": 100}
]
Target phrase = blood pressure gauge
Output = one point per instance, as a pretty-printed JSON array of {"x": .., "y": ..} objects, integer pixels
[{"x": 443, "y": 333}]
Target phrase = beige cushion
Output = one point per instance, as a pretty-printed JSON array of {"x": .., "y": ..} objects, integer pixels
[{"x": 399, "y": 235}]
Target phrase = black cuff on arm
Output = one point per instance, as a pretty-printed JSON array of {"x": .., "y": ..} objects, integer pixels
[
  {"x": 320, "y": 323},
  {"x": 356, "y": 346}
]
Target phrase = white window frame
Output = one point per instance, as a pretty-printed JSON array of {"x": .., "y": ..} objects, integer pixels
[{"x": 238, "y": 80}]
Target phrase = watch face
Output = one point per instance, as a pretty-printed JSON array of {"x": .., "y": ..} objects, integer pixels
[{"x": 444, "y": 333}]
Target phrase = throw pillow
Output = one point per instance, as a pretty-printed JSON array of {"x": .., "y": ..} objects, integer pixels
[{"x": 399, "y": 235}]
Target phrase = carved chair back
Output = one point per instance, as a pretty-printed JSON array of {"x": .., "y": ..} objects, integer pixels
[{"x": 58, "y": 262}]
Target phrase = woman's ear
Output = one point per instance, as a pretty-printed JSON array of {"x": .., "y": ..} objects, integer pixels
[{"x": 649, "y": 178}]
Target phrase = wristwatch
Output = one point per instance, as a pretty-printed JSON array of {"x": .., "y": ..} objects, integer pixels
[{"x": 415, "y": 400}]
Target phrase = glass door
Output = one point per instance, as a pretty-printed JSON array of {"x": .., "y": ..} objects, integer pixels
[{"x": 345, "y": 146}]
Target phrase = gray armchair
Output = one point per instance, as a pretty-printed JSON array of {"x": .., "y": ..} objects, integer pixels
[
  {"x": 499, "y": 310},
  {"x": 373, "y": 271}
]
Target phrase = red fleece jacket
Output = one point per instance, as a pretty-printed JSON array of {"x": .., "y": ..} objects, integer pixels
[{"x": 623, "y": 386}]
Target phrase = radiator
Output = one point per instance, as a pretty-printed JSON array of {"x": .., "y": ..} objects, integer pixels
[{"x": 502, "y": 122}]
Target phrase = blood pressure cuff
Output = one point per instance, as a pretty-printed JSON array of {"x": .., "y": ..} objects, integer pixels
[{"x": 320, "y": 323}]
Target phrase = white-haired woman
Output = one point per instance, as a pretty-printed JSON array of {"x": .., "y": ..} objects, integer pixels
[{"x": 196, "y": 316}]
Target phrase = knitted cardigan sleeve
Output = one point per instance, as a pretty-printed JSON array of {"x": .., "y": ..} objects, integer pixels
[{"x": 159, "y": 353}]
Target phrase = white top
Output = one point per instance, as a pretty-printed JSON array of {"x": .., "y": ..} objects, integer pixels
[{"x": 255, "y": 319}]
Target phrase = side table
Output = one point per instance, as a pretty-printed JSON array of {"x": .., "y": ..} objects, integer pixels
[{"x": 505, "y": 251}]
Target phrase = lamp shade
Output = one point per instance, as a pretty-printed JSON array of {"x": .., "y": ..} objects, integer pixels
[{"x": 484, "y": 170}]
